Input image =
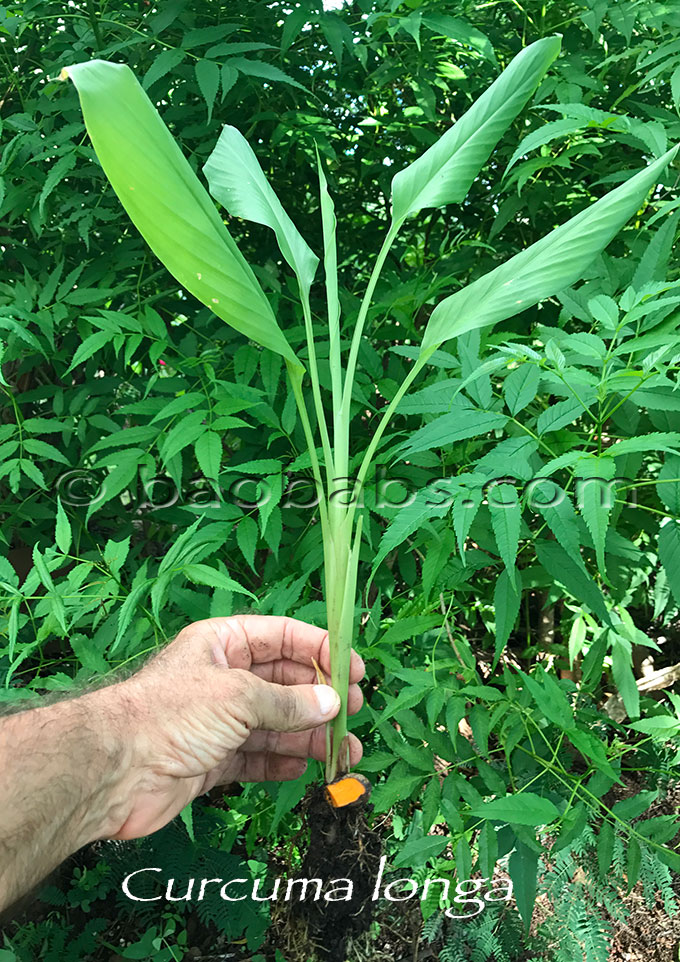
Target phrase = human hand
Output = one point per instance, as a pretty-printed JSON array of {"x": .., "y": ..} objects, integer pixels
[{"x": 230, "y": 699}]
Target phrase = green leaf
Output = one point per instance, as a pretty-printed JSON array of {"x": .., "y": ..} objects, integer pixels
[
  {"x": 62, "y": 533},
  {"x": 577, "y": 639},
  {"x": 545, "y": 134},
  {"x": 624, "y": 679},
  {"x": 187, "y": 816},
  {"x": 506, "y": 601},
  {"x": 166, "y": 61},
  {"x": 659, "y": 441},
  {"x": 560, "y": 516},
  {"x": 201, "y": 574},
  {"x": 431, "y": 800},
  {"x": 669, "y": 554},
  {"x": 668, "y": 486},
  {"x": 523, "y": 870},
  {"x": 237, "y": 181},
  {"x": 564, "y": 570},
  {"x": 166, "y": 202},
  {"x": 663, "y": 726},
  {"x": 411, "y": 517},
  {"x": 636, "y": 805},
  {"x": 506, "y": 518},
  {"x": 184, "y": 433},
  {"x": 448, "y": 428},
  {"x": 462, "y": 32},
  {"x": 330, "y": 263},
  {"x": 115, "y": 554},
  {"x": 246, "y": 538},
  {"x": 546, "y": 267},
  {"x": 193, "y": 399},
  {"x": 595, "y": 500},
  {"x": 593, "y": 749},
  {"x": 633, "y": 862},
  {"x": 209, "y": 454},
  {"x": 445, "y": 172},
  {"x": 208, "y": 80},
  {"x": 44, "y": 450},
  {"x": 550, "y": 699},
  {"x": 418, "y": 851},
  {"x": 523, "y": 808},
  {"x": 605, "y": 848},
  {"x": 95, "y": 342},
  {"x": 520, "y": 386},
  {"x": 258, "y": 68}
]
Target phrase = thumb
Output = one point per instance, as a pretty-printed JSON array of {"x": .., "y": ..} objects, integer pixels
[{"x": 292, "y": 708}]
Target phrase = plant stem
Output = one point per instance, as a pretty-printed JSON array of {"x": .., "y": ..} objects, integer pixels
[
  {"x": 342, "y": 417},
  {"x": 316, "y": 390}
]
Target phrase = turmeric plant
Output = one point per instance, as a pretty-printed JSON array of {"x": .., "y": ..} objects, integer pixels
[{"x": 176, "y": 216}]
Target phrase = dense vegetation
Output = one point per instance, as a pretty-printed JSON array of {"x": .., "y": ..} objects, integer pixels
[{"x": 520, "y": 635}]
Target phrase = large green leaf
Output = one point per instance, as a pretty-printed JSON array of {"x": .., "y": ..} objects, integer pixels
[
  {"x": 237, "y": 181},
  {"x": 167, "y": 203},
  {"x": 551, "y": 264},
  {"x": 445, "y": 172}
]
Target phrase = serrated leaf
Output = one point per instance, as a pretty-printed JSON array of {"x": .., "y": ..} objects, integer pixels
[
  {"x": 449, "y": 428},
  {"x": 658, "y": 441},
  {"x": 550, "y": 699},
  {"x": 522, "y": 808},
  {"x": 181, "y": 435},
  {"x": 560, "y": 516},
  {"x": 595, "y": 500},
  {"x": 506, "y": 518},
  {"x": 669, "y": 555},
  {"x": 567, "y": 572},
  {"x": 62, "y": 532},
  {"x": 411, "y": 517},
  {"x": 166, "y": 61},
  {"x": 95, "y": 342},
  {"x": 201, "y": 574},
  {"x": 417, "y": 851},
  {"x": 267, "y": 71},
  {"x": 523, "y": 870},
  {"x": 44, "y": 450},
  {"x": 605, "y": 848},
  {"x": 209, "y": 454},
  {"x": 208, "y": 80},
  {"x": 622, "y": 671},
  {"x": 246, "y": 538},
  {"x": 520, "y": 386},
  {"x": 507, "y": 597}
]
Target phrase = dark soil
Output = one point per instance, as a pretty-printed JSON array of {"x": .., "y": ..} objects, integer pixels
[{"x": 341, "y": 847}]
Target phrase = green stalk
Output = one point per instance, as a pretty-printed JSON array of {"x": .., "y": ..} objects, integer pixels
[
  {"x": 296, "y": 374},
  {"x": 316, "y": 390},
  {"x": 342, "y": 417}
]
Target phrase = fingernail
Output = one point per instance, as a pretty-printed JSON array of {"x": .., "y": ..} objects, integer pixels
[{"x": 327, "y": 698}]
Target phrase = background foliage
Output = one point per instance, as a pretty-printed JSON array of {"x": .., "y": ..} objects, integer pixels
[{"x": 134, "y": 422}]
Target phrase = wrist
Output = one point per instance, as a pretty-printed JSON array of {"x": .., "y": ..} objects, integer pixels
[{"x": 115, "y": 719}]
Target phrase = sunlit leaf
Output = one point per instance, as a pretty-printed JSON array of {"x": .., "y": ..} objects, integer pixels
[{"x": 166, "y": 202}]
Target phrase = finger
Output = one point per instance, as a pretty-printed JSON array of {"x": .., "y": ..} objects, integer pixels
[
  {"x": 299, "y": 744},
  {"x": 355, "y": 699},
  {"x": 266, "y": 767},
  {"x": 288, "y": 672},
  {"x": 258, "y": 639},
  {"x": 284, "y": 708}
]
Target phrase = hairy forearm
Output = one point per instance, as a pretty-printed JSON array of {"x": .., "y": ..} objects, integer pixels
[{"x": 65, "y": 780}]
